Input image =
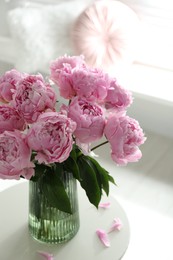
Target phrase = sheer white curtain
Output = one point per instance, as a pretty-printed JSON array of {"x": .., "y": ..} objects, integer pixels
[{"x": 155, "y": 46}]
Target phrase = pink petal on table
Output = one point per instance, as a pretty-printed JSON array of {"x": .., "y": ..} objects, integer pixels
[
  {"x": 48, "y": 256},
  {"x": 102, "y": 235},
  {"x": 116, "y": 225},
  {"x": 105, "y": 205}
]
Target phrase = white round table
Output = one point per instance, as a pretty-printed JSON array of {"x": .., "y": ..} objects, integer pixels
[{"x": 17, "y": 244}]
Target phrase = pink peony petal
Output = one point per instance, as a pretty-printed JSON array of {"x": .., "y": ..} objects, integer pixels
[
  {"x": 117, "y": 225},
  {"x": 105, "y": 205},
  {"x": 103, "y": 237},
  {"x": 47, "y": 255}
]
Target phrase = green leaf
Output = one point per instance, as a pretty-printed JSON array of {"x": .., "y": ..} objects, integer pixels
[
  {"x": 104, "y": 175},
  {"x": 39, "y": 171},
  {"x": 73, "y": 153},
  {"x": 89, "y": 180},
  {"x": 70, "y": 165},
  {"x": 111, "y": 179},
  {"x": 58, "y": 169},
  {"x": 99, "y": 180},
  {"x": 54, "y": 190}
]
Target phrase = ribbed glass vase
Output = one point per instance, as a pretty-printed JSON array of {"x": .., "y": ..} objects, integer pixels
[{"x": 48, "y": 224}]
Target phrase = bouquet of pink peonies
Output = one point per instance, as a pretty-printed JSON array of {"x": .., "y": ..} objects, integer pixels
[{"x": 35, "y": 139}]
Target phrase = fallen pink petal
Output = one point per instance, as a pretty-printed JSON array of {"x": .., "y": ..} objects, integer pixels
[
  {"x": 102, "y": 235},
  {"x": 47, "y": 255},
  {"x": 105, "y": 205},
  {"x": 117, "y": 225}
]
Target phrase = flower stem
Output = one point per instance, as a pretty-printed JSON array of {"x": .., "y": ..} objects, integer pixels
[{"x": 97, "y": 146}]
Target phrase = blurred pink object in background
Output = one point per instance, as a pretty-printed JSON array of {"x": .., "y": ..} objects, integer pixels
[{"x": 105, "y": 33}]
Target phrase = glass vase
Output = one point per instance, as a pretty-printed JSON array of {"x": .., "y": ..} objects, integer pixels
[{"x": 48, "y": 224}]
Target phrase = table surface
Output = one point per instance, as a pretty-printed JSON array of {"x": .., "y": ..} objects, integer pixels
[{"x": 17, "y": 244}]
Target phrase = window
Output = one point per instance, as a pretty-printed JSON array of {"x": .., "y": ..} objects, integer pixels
[
  {"x": 151, "y": 76},
  {"x": 156, "y": 32}
]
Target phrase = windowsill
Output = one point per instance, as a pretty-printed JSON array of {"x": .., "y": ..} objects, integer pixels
[
  {"x": 153, "y": 97},
  {"x": 150, "y": 81}
]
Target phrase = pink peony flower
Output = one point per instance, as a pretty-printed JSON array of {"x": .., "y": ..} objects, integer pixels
[
  {"x": 62, "y": 72},
  {"x": 124, "y": 135},
  {"x": 8, "y": 84},
  {"x": 91, "y": 84},
  {"x": 117, "y": 97},
  {"x": 51, "y": 137},
  {"x": 14, "y": 156},
  {"x": 89, "y": 118},
  {"x": 10, "y": 119},
  {"x": 32, "y": 97}
]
